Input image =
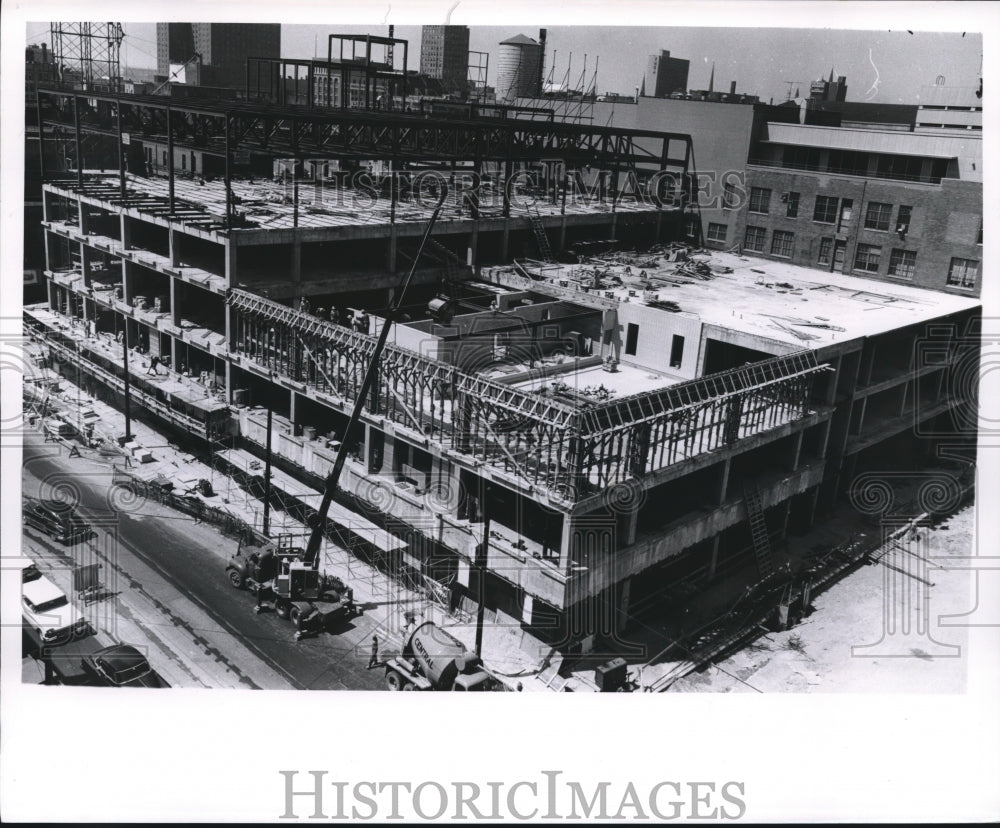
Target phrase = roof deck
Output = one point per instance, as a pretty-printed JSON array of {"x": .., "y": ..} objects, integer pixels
[
  {"x": 795, "y": 307},
  {"x": 270, "y": 204}
]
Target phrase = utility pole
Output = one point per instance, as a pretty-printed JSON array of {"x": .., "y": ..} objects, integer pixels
[
  {"x": 267, "y": 475},
  {"x": 481, "y": 560},
  {"x": 266, "y": 524},
  {"x": 128, "y": 395}
]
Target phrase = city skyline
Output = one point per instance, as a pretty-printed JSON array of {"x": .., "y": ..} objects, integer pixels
[{"x": 879, "y": 65}]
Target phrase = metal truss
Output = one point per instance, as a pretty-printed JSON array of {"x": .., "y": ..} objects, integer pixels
[
  {"x": 566, "y": 449},
  {"x": 225, "y": 127}
]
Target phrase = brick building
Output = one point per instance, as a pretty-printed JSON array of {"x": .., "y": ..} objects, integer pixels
[{"x": 888, "y": 205}]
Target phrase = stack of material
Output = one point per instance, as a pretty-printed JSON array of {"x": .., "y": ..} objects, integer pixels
[{"x": 695, "y": 269}]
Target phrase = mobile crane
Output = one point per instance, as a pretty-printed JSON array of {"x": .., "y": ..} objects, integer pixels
[{"x": 289, "y": 575}]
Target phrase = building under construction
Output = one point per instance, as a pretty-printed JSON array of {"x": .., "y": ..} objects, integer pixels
[{"x": 573, "y": 413}]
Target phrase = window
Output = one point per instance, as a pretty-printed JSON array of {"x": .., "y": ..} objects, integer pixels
[
  {"x": 184, "y": 162},
  {"x": 760, "y": 199},
  {"x": 792, "y": 205},
  {"x": 963, "y": 273},
  {"x": 676, "y": 351},
  {"x": 825, "y": 210},
  {"x": 867, "y": 258},
  {"x": 800, "y": 158},
  {"x": 901, "y": 167},
  {"x": 903, "y": 219},
  {"x": 781, "y": 243},
  {"x": 717, "y": 232},
  {"x": 692, "y": 227},
  {"x": 878, "y": 216},
  {"x": 754, "y": 239},
  {"x": 825, "y": 249},
  {"x": 631, "y": 339},
  {"x": 979, "y": 237},
  {"x": 901, "y": 263},
  {"x": 847, "y": 162}
]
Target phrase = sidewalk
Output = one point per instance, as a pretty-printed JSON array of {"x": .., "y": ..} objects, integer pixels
[{"x": 508, "y": 651}]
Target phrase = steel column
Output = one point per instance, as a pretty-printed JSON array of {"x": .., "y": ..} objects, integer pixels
[
  {"x": 170, "y": 160},
  {"x": 79, "y": 145},
  {"x": 121, "y": 152}
]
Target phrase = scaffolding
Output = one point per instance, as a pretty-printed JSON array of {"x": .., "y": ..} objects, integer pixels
[{"x": 88, "y": 52}]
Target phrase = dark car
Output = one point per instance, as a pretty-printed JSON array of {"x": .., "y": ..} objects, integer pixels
[
  {"x": 121, "y": 665},
  {"x": 56, "y": 519},
  {"x": 29, "y": 573}
]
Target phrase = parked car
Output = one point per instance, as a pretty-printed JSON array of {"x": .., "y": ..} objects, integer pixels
[
  {"x": 56, "y": 519},
  {"x": 47, "y": 612},
  {"x": 121, "y": 665},
  {"x": 29, "y": 572}
]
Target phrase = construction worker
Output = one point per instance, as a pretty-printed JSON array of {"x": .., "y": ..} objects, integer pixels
[
  {"x": 153, "y": 363},
  {"x": 373, "y": 661}
]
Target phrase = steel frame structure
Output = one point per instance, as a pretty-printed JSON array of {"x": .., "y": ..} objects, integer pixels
[
  {"x": 224, "y": 128},
  {"x": 556, "y": 445},
  {"x": 373, "y": 71},
  {"x": 87, "y": 47}
]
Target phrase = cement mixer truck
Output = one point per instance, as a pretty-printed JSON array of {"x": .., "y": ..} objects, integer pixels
[{"x": 433, "y": 659}]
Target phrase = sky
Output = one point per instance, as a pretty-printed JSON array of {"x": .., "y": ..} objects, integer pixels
[{"x": 882, "y": 66}]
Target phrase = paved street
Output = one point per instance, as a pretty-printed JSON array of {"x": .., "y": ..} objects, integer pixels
[{"x": 172, "y": 593}]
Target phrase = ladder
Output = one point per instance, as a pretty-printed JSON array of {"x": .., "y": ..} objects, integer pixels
[
  {"x": 758, "y": 530},
  {"x": 455, "y": 268},
  {"x": 541, "y": 237}
]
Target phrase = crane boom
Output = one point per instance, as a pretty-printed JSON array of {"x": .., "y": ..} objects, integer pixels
[{"x": 315, "y": 538}]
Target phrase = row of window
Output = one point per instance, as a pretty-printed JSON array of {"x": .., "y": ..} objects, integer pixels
[
  {"x": 878, "y": 216},
  {"x": 853, "y": 162},
  {"x": 902, "y": 263},
  {"x": 962, "y": 273},
  {"x": 826, "y": 209},
  {"x": 782, "y": 241}
]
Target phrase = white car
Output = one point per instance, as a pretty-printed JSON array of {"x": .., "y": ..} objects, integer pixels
[{"x": 47, "y": 611}]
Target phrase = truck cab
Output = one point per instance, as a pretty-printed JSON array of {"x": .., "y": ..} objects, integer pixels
[{"x": 476, "y": 682}]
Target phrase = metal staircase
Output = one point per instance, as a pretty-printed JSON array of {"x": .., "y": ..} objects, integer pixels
[
  {"x": 758, "y": 530},
  {"x": 541, "y": 237}
]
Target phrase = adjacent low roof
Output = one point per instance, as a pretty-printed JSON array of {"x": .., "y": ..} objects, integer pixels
[{"x": 892, "y": 142}]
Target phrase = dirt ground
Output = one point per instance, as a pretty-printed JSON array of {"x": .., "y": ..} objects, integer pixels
[{"x": 879, "y": 630}]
